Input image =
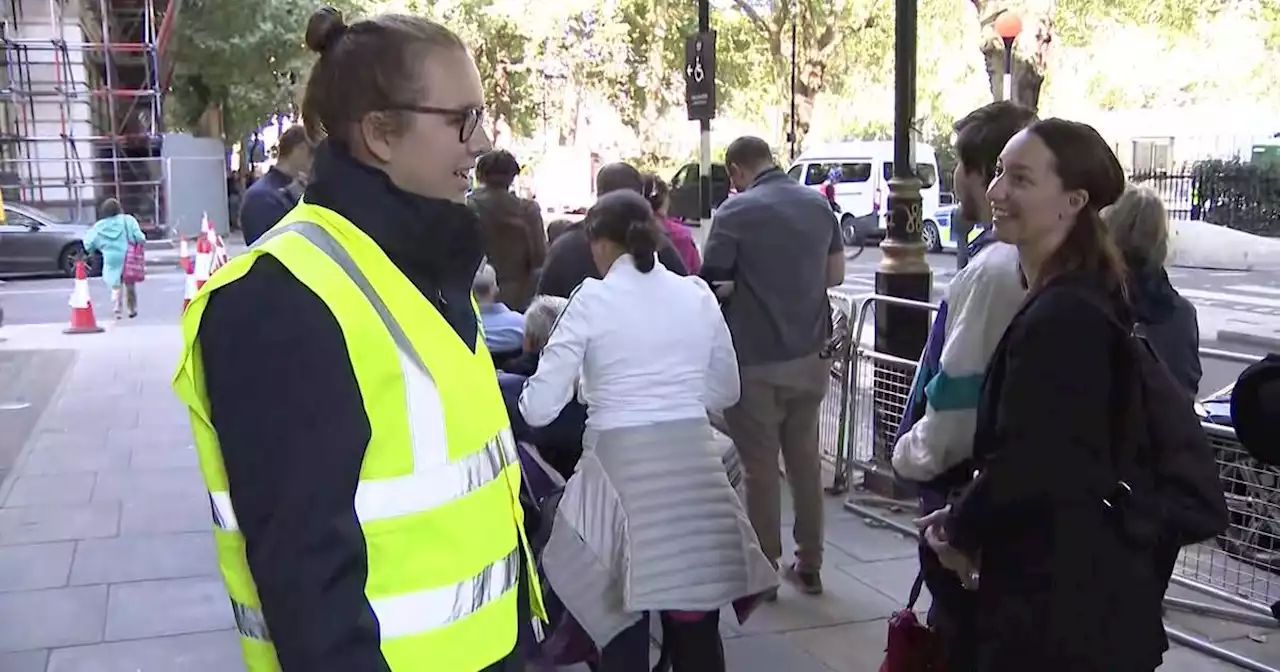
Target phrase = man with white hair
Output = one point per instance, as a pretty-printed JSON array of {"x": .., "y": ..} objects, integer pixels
[
  {"x": 503, "y": 327},
  {"x": 538, "y": 320},
  {"x": 559, "y": 443}
]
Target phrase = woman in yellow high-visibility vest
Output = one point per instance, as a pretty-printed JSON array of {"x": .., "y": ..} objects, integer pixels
[{"x": 351, "y": 432}]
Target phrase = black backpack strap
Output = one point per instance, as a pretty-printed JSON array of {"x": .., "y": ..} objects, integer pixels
[
  {"x": 916, "y": 587},
  {"x": 1126, "y": 401}
]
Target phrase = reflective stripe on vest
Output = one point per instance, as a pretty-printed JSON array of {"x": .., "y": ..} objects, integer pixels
[
  {"x": 435, "y": 481},
  {"x": 415, "y": 612}
]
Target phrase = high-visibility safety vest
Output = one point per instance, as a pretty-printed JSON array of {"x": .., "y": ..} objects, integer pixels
[{"x": 438, "y": 496}]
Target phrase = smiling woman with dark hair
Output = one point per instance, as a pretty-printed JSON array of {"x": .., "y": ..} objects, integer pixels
[{"x": 1059, "y": 587}]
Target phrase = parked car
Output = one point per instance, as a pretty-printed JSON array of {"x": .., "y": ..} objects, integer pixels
[
  {"x": 33, "y": 242},
  {"x": 684, "y": 190}
]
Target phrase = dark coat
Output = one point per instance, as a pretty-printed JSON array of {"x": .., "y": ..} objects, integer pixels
[
  {"x": 515, "y": 242},
  {"x": 1169, "y": 323},
  {"x": 1059, "y": 590},
  {"x": 569, "y": 262},
  {"x": 264, "y": 203}
]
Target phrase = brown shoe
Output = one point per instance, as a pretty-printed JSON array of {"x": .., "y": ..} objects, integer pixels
[{"x": 806, "y": 581}]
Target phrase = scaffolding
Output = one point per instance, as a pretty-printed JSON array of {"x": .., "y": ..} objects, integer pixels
[{"x": 80, "y": 106}]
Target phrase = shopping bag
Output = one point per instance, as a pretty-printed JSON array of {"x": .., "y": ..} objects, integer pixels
[
  {"x": 135, "y": 263},
  {"x": 912, "y": 646}
]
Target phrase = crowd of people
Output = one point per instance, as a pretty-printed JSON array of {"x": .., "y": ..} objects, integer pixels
[{"x": 442, "y": 485}]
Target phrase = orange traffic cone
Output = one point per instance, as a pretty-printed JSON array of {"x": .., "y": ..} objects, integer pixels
[
  {"x": 204, "y": 260},
  {"x": 184, "y": 256},
  {"x": 82, "y": 319},
  {"x": 189, "y": 292}
]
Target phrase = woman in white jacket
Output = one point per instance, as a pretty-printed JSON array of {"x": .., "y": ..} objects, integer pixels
[{"x": 649, "y": 521}]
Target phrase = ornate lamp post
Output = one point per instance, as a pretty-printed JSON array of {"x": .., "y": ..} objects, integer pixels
[
  {"x": 901, "y": 330},
  {"x": 1008, "y": 26}
]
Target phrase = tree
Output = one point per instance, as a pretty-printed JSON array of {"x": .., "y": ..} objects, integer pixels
[
  {"x": 1073, "y": 22},
  {"x": 649, "y": 86},
  {"x": 831, "y": 38},
  {"x": 236, "y": 61},
  {"x": 1030, "y": 51},
  {"x": 503, "y": 52}
]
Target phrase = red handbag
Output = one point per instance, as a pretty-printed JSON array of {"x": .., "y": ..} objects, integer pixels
[
  {"x": 912, "y": 646},
  {"x": 135, "y": 263}
]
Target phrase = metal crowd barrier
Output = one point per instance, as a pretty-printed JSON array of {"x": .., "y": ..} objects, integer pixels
[{"x": 1241, "y": 568}]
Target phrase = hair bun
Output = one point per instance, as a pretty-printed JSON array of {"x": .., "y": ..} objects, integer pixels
[{"x": 324, "y": 29}]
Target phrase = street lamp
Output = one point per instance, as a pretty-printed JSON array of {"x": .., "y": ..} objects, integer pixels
[
  {"x": 901, "y": 329},
  {"x": 1008, "y": 26}
]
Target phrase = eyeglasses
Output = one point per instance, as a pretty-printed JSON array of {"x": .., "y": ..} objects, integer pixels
[{"x": 468, "y": 118}]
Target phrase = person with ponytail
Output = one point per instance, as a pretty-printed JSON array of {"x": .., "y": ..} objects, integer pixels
[
  {"x": 1059, "y": 587},
  {"x": 658, "y": 194},
  {"x": 362, "y": 476},
  {"x": 649, "y": 521}
]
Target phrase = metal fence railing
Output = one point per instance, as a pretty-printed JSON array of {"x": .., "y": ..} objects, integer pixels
[{"x": 1241, "y": 568}]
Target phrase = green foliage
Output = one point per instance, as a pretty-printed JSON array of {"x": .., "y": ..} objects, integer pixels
[
  {"x": 1239, "y": 195},
  {"x": 504, "y": 55},
  {"x": 247, "y": 57},
  {"x": 1077, "y": 20},
  {"x": 1269, "y": 14}
]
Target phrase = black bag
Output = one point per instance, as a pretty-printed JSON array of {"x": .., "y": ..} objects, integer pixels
[{"x": 1164, "y": 484}]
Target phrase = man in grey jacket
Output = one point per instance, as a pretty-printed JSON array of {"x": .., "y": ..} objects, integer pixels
[{"x": 777, "y": 244}]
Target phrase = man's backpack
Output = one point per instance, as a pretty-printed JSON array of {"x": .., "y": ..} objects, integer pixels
[{"x": 1164, "y": 484}]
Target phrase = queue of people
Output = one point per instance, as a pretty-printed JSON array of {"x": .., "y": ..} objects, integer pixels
[{"x": 381, "y": 518}]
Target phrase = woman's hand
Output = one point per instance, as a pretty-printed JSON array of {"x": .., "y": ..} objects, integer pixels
[{"x": 935, "y": 534}]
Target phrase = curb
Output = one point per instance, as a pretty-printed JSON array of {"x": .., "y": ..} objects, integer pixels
[{"x": 1271, "y": 343}]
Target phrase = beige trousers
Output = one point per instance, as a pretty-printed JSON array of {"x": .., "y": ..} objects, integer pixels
[{"x": 778, "y": 413}]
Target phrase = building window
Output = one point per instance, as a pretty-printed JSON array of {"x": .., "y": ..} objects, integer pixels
[{"x": 1152, "y": 156}]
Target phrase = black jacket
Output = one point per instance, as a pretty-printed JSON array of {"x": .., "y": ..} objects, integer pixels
[
  {"x": 569, "y": 262},
  {"x": 1168, "y": 320},
  {"x": 264, "y": 203},
  {"x": 291, "y": 423},
  {"x": 1059, "y": 590}
]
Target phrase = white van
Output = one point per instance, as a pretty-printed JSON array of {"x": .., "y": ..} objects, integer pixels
[{"x": 863, "y": 190}]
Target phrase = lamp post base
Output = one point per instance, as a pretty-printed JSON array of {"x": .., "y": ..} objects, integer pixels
[{"x": 900, "y": 331}]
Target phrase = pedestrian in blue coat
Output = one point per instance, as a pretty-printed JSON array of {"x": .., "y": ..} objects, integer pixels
[{"x": 111, "y": 236}]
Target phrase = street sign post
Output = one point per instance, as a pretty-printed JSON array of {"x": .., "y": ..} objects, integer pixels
[{"x": 700, "y": 75}]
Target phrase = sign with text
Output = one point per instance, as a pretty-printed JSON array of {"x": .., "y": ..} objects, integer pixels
[{"x": 700, "y": 75}]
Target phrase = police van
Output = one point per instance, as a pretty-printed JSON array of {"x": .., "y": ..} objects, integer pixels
[{"x": 862, "y": 190}]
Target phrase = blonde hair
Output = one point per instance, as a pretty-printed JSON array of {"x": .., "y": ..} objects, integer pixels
[{"x": 1139, "y": 225}]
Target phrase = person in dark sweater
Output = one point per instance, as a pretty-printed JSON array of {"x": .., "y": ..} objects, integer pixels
[
  {"x": 273, "y": 196},
  {"x": 1139, "y": 224},
  {"x": 569, "y": 260}
]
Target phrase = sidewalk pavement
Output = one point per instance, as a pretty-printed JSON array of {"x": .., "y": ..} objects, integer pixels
[{"x": 107, "y": 561}]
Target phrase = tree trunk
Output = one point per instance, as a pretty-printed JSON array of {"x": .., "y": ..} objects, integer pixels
[
  {"x": 1031, "y": 51},
  {"x": 811, "y": 79},
  {"x": 1027, "y": 80},
  {"x": 209, "y": 125}
]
